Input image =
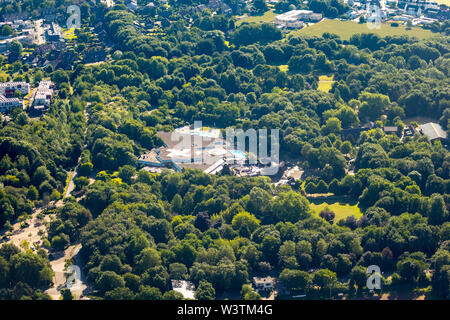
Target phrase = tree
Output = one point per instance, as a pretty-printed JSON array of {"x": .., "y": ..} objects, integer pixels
[
  {"x": 437, "y": 212},
  {"x": 332, "y": 125},
  {"x": 148, "y": 258},
  {"x": 410, "y": 269},
  {"x": 108, "y": 281},
  {"x": 172, "y": 295},
  {"x": 245, "y": 220},
  {"x": 132, "y": 281},
  {"x": 205, "y": 291},
  {"x": 259, "y": 202},
  {"x": 178, "y": 271},
  {"x": 322, "y": 187},
  {"x": 60, "y": 242},
  {"x": 346, "y": 147},
  {"x": 291, "y": 206},
  {"x": 15, "y": 50},
  {"x": 247, "y": 293},
  {"x": 85, "y": 169},
  {"x": 358, "y": 277},
  {"x": 59, "y": 76},
  {"x": 441, "y": 282},
  {"x": 327, "y": 214},
  {"x": 325, "y": 279},
  {"x": 202, "y": 221},
  {"x": 373, "y": 105},
  {"x": 126, "y": 173},
  {"x": 296, "y": 280},
  {"x": 119, "y": 294},
  {"x": 251, "y": 33},
  {"x": 6, "y": 30},
  {"x": 81, "y": 182},
  {"x": 40, "y": 175},
  {"x": 32, "y": 193},
  {"x": 302, "y": 64},
  {"x": 286, "y": 255},
  {"x": 66, "y": 294},
  {"x": 177, "y": 204},
  {"x": 260, "y": 5},
  {"x": 310, "y": 187},
  {"x": 270, "y": 247},
  {"x": 149, "y": 293},
  {"x": 30, "y": 269}
]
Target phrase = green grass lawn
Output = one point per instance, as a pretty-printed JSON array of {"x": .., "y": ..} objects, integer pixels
[
  {"x": 268, "y": 16},
  {"x": 284, "y": 67},
  {"x": 325, "y": 83},
  {"x": 345, "y": 29},
  {"x": 341, "y": 210},
  {"x": 69, "y": 34}
]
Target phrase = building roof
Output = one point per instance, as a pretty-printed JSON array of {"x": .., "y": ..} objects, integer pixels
[
  {"x": 14, "y": 83},
  {"x": 42, "y": 94},
  {"x": 186, "y": 288},
  {"x": 191, "y": 150},
  {"x": 390, "y": 129},
  {"x": 433, "y": 131},
  {"x": 258, "y": 280},
  {"x": 4, "y": 99}
]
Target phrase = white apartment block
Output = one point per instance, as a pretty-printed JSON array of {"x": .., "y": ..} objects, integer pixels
[
  {"x": 295, "y": 18},
  {"x": 8, "y": 89},
  {"x": 44, "y": 93},
  {"x": 7, "y": 104}
]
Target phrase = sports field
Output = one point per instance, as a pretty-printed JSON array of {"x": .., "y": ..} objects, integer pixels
[
  {"x": 341, "y": 210},
  {"x": 268, "y": 16},
  {"x": 345, "y": 29}
]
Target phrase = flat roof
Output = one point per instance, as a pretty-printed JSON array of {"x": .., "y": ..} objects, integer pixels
[
  {"x": 191, "y": 150},
  {"x": 433, "y": 131}
]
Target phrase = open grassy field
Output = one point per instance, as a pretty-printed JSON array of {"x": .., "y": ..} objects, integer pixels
[
  {"x": 325, "y": 83},
  {"x": 69, "y": 34},
  {"x": 284, "y": 67},
  {"x": 341, "y": 210},
  {"x": 268, "y": 16},
  {"x": 345, "y": 29}
]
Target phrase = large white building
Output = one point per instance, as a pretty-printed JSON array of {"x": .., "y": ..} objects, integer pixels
[
  {"x": 8, "y": 89},
  {"x": 7, "y": 104},
  {"x": 44, "y": 94},
  {"x": 296, "y": 18}
]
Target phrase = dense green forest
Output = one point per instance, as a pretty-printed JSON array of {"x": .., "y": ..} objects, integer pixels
[{"x": 139, "y": 230}]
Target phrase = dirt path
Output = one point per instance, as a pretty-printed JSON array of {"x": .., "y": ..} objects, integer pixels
[
  {"x": 73, "y": 173},
  {"x": 31, "y": 237},
  {"x": 58, "y": 264},
  {"x": 78, "y": 287}
]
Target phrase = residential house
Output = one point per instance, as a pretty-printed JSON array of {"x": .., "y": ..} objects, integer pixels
[
  {"x": 264, "y": 284},
  {"x": 54, "y": 33},
  {"x": 8, "y": 89},
  {"x": 295, "y": 18},
  {"x": 7, "y": 104},
  {"x": 44, "y": 94}
]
